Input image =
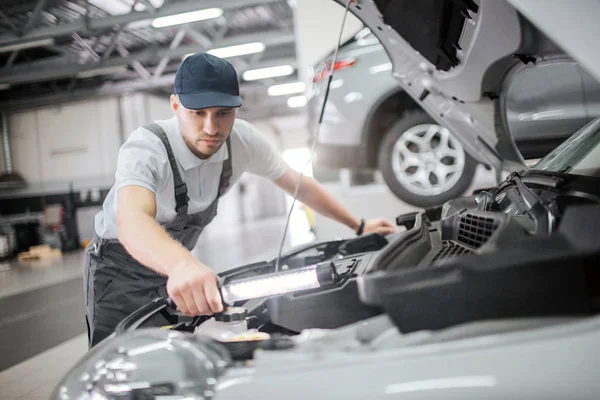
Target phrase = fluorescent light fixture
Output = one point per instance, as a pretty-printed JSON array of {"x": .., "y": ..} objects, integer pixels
[
  {"x": 112, "y": 7},
  {"x": 27, "y": 45},
  {"x": 239, "y": 50},
  {"x": 269, "y": 72},
  {"x": 102, "y": 71},
  {"x": 297, "y": 101},
  {"x": 286, "y": 88},
  {"x": 4, "y": 86},
  {"x": 306, "y": 278},
  {"x": 184, "y": 18}
]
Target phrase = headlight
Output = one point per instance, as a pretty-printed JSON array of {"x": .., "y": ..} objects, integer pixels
[{"x": 147, "y": 363}]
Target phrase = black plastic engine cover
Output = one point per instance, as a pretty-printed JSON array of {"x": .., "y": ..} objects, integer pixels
[
  {"x": 544, "y": 276},
  {"x": 432, "y": 27},
  {"x": 325, "y": 308}
]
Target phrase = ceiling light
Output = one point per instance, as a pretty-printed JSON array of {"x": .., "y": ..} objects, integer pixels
[
  {"x": 187, "y": 17},
  {"x": 296, "y": 101},
  {"x": 111, "y": 7},
  {"x": 102, "y": 71},
  {"x": 27, "y": 45},
  {"x": 287, "y": 88},
  {"x": 269, "y": 72},
  {"x": 239, "y": 50}
]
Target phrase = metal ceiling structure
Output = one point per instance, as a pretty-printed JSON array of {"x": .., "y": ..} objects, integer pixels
[{"x": 53, "y": 51}]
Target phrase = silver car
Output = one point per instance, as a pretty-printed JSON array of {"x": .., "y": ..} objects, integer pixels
[{"x": 371, "y": 122}]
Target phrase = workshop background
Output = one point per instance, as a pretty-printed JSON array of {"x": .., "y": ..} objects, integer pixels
[{"x": 76, "y": 78}]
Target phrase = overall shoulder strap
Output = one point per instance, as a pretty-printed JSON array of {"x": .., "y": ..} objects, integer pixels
[
  {"x": 227, "y": 169},
  {"x": 181, "y": 197}
]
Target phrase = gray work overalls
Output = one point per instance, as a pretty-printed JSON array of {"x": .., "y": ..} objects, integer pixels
[{"x": 115, "y": 285}]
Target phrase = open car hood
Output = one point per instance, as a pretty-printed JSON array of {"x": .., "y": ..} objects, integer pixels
[
  {"x": 570, "y": 24},
  {"x": 453, "y": 57}
]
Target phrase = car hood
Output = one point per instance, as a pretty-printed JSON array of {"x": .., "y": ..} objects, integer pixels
[
  {"x": 571, "y": 25},
  {"x": 453, "y": 58}
]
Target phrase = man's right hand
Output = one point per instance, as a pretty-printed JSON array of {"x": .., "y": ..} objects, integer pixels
[{"x": 193, "y": 288}]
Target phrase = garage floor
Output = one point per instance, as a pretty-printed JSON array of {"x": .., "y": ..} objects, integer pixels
[{"x": 42, "y": 328}]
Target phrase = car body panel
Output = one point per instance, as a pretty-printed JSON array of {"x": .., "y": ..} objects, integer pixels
[
  {"x": 573, "y": 25},
  {"x": 561, "y": 86},
  {"x": 550, "y": 362},
  {"x": 346, "y": 106}
]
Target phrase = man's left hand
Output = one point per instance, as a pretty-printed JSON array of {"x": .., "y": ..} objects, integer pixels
[{"x": 379, "y": 225}]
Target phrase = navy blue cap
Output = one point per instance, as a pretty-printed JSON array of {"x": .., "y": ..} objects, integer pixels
[{"x": 204, "y": 81}]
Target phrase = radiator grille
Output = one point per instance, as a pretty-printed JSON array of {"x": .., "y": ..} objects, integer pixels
[
  {"x": 474, "y": 230},
  {"x": 451, "y": 249}
]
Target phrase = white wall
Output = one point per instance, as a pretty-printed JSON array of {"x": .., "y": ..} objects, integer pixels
[
  {"x": 79, "y": 140},
  {"x": 66, "y": 142},
  {"x": 288, "y": 132},
  {"x": 158, "y": 107}
]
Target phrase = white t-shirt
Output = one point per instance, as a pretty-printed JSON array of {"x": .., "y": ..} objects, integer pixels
[{"x": 143, "y": 162}]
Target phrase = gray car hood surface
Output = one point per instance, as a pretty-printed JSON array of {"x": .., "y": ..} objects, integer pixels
[
  {"x": 456, "y": 98},
  {"x": 573, "y": 25}
]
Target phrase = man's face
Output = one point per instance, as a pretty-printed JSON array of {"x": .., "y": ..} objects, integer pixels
[{"x": 205, "y": 130}]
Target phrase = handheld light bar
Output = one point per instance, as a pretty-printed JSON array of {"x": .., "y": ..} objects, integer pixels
[{"x": 311, "y": 277}]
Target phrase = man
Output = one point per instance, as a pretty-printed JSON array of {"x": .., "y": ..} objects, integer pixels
[{"x": 170, "y": 176}]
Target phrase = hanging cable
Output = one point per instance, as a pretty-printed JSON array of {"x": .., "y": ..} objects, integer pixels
[{"x": 318, "y": 129}]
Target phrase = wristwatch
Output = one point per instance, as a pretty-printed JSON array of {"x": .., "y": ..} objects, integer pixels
[{"x": 361, "y": 228}]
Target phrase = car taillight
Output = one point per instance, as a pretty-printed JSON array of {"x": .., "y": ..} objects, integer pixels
[{"x": 340, "y": 64}]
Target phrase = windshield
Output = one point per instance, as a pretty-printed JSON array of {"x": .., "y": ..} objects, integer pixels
[{"x": 578, "y": 155}]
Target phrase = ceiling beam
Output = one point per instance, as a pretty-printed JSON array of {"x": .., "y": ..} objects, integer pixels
[
  {"x": 35, "y": 17},
  {"x": 11, "y": 59},
  {"x": 115, "y": 35},
  {"x": 107, "y": 89},
  {"x": 85, "y": 46},
  {"x": 82, "y": 26},
  {"x": 20, "y": 74},
  {"x": 165, "y": 60},
  {"x": 200, "y": 38},
  {"x": 9, "y": 23}
]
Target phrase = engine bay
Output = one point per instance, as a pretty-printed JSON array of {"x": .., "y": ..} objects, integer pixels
[
  {"x": 495, "y": 275},
  {"x": 523, "y": 249}
]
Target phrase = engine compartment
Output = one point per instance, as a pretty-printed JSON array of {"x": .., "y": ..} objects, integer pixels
[
  {"x": 496, "y": 275},
  {"x": 522, "y": 250}
]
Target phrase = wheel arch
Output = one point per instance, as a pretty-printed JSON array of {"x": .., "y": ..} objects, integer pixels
[{"x": 382, "y": 115}]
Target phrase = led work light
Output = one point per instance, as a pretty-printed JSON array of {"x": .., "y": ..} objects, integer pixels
[{"x": 311, "y": 277}]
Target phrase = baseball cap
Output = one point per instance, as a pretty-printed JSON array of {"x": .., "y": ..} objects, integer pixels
[{"x": 204, "y": 81}]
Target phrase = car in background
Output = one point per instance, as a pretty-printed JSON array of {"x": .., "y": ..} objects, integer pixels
[{"x": 370, "y": 122}]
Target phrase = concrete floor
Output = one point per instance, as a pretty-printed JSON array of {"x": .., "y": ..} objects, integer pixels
[{"x": 42, "y": 328}]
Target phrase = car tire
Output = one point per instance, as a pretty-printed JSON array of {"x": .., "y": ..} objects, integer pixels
[{"x": 411, "y": 193}]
